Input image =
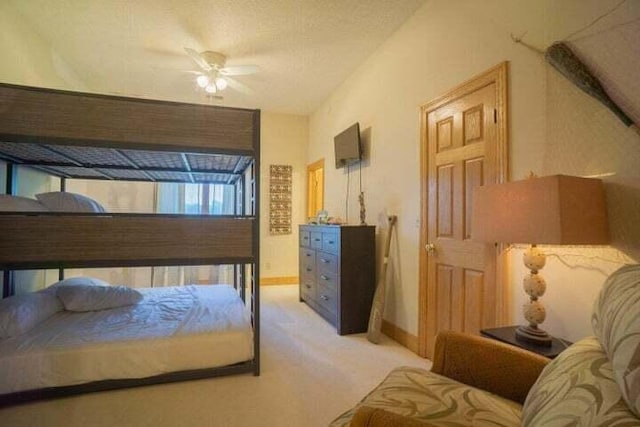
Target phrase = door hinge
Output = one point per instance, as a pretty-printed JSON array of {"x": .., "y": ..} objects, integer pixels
[{"x": 495, "y": 116}]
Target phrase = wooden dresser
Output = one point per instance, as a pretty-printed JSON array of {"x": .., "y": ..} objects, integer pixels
[{"x": 337, "y": 273}]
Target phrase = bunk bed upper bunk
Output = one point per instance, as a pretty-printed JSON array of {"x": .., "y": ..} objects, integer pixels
[{"x": 90, "y": 136}]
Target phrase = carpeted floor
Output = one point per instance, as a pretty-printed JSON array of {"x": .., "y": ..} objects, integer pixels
[{"x": 309, "y": 376}]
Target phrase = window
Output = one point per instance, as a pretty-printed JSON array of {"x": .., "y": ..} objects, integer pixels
[
  {"x": 197, "y": 199},
  {"x": 209, "y": 199},
  {"x": 206, "y": 199}
]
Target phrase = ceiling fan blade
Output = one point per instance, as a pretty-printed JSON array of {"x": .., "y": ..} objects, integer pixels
[
  {"x": 239, "y": 70},
  {"x": 239, "y": 87},
  {"x": 198, "y": 59}
]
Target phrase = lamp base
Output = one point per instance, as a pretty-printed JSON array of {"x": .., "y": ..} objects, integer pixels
[{"x": 533, "y": 335}]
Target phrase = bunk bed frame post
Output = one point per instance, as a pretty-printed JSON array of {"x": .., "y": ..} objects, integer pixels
[
  {"x": 256, "y": 241},
  {"x": 8, "y": 282},
  {"x": 238, "y": 206},
  {"x": 63, "y": 188},
  {"x": 8, "y": 286},
  {"x": 11, "y": 179}
]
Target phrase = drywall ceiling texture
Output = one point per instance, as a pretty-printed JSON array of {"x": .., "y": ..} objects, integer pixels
[
  {"x": 443, "y": 44},
  {"x": 305, "y": 49},
  {"x": 29, "y": 59}
]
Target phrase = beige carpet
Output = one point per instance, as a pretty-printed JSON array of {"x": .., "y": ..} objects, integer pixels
[{"x": 309, "y": 376}]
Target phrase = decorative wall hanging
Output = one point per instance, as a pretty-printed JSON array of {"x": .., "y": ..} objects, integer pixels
[{"x": 280, "y": 177}]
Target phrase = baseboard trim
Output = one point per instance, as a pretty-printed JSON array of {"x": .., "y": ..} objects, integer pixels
[
  {"x": 283, "y": 280},
  {"x": 401, "y": 336}
]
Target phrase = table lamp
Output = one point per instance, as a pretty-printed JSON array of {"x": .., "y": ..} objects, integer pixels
[{"x": 552, "y": 210}]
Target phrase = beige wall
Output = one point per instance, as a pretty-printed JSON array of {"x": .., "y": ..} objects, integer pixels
[
  {"x": 443, "y": 44},
  {"x": 284, "y": 142}
]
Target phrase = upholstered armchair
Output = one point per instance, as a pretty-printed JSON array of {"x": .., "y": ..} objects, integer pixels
[{"x": 477, "y": 381}]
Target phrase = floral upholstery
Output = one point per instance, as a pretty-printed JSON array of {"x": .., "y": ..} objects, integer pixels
[
  {"x": 595, "y": 382},
  {"x": 577, "y": 389},
  {"x": 430, "y": 397},
  {"x": 616, "y": 323}
]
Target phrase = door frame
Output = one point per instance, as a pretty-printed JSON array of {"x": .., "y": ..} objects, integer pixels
[{"x": 497, "y": 75}]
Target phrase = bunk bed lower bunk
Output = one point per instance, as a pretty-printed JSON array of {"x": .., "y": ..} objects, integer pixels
[
  {"x": 171, "y": 331},
  {"x": 72, "y": 135}
]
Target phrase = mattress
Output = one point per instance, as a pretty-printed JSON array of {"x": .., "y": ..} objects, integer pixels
[{"x": 171, "y": 329}]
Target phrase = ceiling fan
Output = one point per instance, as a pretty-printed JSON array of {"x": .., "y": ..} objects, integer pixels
[{"x": 214, "y": 76}]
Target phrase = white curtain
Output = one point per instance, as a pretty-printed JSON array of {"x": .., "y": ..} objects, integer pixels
[{"x": 191, "y": 199}]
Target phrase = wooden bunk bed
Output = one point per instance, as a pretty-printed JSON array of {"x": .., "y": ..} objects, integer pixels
[{"x": 89, "y": 136}]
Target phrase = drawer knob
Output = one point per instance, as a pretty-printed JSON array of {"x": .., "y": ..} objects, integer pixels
[
  {"x": 308, "y": 254},
  {"x": 317, "y": 240},
  {"x": 324, "y": 297},
  {"x": 323, "y": 277},
  {"x": 331, "y": 242},
  {"x": 307, "y": 285},
  {"x": 305, "y": 238},
  {"x": 326, "y": 261},
  {"x": 308, "y": 269}
]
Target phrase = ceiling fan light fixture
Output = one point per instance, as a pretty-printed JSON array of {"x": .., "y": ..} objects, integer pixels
[
  {"x": 202, "y": 81},
  {"x": 211, "y": 88},
  {"x": 221, "y": 83}
]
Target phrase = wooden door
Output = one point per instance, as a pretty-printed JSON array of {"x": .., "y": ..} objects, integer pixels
[
  {"x": 315, "y": 188},
  {"x": 464, "y": 146}
]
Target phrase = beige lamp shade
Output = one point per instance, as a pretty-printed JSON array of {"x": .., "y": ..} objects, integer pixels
[{"x": 553, "y": 210}]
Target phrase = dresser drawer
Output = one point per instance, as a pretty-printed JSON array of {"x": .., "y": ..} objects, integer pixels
[
  {"x": 327, "y": 298},
  {"x": 331, "y": 242},
  {"x": 307, "y": 289},
  {"x": 328, "y": 280},
  {"x": 305, "y": 238},
  {"x": 307, "y": 258},
  {"x": 316, "y": 240},
  {"x": 327, "y": 263}
]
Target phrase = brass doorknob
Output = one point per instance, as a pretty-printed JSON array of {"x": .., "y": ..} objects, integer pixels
[{"x": 430, "y": 247}]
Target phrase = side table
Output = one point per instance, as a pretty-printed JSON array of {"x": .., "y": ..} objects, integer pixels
[{"x": 508, "y": 335}]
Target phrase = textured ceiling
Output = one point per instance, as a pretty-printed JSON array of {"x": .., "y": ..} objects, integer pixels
[{"x": 304, "y": 48}]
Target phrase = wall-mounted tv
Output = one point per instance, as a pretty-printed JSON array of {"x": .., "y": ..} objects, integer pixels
[{"x": 347, "y": 146}]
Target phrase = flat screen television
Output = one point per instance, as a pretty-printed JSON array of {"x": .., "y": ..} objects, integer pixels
[{"x": 347, "y": 146}]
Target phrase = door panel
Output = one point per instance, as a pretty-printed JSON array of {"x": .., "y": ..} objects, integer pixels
[{"x": 444, "y": 201}]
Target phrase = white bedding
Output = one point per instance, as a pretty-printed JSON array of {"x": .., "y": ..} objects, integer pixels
[{"x": 171, "y": 329}]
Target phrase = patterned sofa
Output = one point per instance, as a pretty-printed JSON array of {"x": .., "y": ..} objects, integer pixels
[{"x": 476, "y": 382}]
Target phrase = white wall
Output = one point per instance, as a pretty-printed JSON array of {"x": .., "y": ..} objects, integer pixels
[
  {"x": 283, "y": 142},
  {"x": 443, "y": 44}
]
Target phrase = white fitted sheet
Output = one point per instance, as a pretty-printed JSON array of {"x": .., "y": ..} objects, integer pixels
[{"x": 171, "y": 329}]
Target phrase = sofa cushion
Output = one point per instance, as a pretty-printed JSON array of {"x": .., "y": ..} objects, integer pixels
[
  {"x": 577, "y": 389},
  {"x": 437, "y": 400},
  {"x": 616, "y": 323},
  {"x": 367, "y": 416}
]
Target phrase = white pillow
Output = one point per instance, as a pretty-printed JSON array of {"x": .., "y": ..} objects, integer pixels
[
  {"x": 94, "y": 298},
  {"x": 20, "y": 313},
  {"x": 10, "y": 203},
  {"x": 80, "y": 280},
  {"x": 62, "y": 201}
]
